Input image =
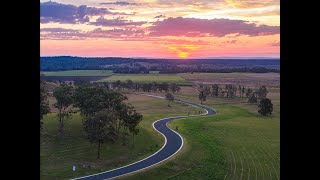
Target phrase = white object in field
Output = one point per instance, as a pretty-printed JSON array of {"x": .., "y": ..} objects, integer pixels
[{"x": 73, "y": 168}]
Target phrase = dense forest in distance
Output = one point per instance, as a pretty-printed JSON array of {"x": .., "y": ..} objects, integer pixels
[{"x": 141, "y": 65}]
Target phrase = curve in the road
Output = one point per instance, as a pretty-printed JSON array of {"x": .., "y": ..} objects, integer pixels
[{"x": 173, "y": 144}]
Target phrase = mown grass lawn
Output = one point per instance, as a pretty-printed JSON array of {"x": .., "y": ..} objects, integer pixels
[
  {"x": 234, "y": 144},
  {"x": 147, "y": 78}
]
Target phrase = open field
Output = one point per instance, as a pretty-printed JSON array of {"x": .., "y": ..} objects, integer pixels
[
  {"x": 78, "y": 73},
  {"x": 57, "y": 157},
  {"x": 237, "y": 143},
  {"x": 148, "y": 78},
  {"x": 191, "y": 94},
  {"x": 248, "y": 79},
  {"x": 72, "y": 78},
  {"x": 234, "y": 144}
]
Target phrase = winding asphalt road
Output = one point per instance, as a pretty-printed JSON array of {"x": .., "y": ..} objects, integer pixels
[{"x": 173, "y": 144}]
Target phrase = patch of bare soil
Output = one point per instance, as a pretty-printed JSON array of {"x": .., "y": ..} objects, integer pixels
[
  {"x": 188, "y": 90},
  {"x": 249, "y": 81}
]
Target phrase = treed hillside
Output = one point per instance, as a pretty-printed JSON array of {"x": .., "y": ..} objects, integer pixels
[
  {"x": 136, "y": 65},
  {"x": 76, "y": 63}
]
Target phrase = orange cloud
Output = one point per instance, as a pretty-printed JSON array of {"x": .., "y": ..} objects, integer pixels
[{"x": 249, "y": 3}]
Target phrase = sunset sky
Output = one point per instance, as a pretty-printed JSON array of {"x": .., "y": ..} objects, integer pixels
[{"x": 160, "y": 28}]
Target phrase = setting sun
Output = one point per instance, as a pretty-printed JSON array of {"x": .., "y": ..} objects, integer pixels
[
  {"x": 183, "y": 54},
  {"x": 182, "y": 50}
]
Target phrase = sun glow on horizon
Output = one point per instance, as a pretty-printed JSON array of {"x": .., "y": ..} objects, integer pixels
[
  {"x": 183, "y": 54},
  {"x": 182, "y": 50}
]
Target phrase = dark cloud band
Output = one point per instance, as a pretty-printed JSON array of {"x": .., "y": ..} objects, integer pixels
[
  {"x": 64, "y": 13},
  {"x": 192, "y": 27}
]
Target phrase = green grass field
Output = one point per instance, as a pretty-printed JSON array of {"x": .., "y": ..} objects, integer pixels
[
  {"x": 148, "y": 78},
  {"x": 237, "y": 143},
  {"x": 57, "y": 157},
  {"x": 234, "y": 144},
  {"x": 79, "y": 73}
]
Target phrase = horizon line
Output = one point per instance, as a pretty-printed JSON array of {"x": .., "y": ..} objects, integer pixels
[{"x": 221, "y": 57}]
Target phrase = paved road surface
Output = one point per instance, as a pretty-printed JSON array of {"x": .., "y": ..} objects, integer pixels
[{"x": 173, "y": 143}]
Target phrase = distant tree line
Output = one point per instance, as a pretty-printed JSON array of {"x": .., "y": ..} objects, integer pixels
[
  {"x": 170, "y": 70},
  {"x": 139, "y": 87},
  {"x": 231, "y": 91},
  {"x": 143, "y": 66},
  {"x": 60, "y": 63},
  {"x": 128, "y": 85}
]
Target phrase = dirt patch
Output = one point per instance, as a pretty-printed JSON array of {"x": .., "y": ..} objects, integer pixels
[
  {"x": 249, "y": 81},
  {"x": 264, "y": 75},
  {"x": 188, "y": 90}
]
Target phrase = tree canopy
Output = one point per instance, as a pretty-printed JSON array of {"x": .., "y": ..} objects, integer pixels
[
  {"x": 170, "y": 98},
  {"x": 202, "y": 96},
  {"x": 100, "y": 128},
  {"x": 44, "y": 104},
  {"x": 265, "y": 107},
  {"x": 64, "y": 97},
  {"x": 108, "y": 117}
]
